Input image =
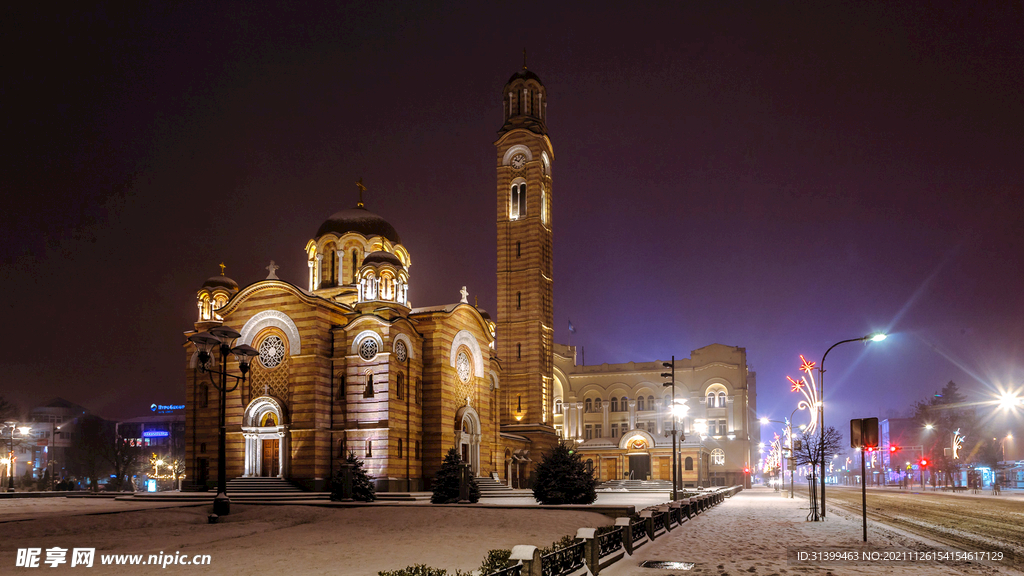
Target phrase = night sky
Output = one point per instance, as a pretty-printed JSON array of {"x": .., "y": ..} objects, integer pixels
[{"x": 773, "y": 177}]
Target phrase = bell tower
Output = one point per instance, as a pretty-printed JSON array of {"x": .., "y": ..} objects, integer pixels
[{"x": 524, "y": 216}]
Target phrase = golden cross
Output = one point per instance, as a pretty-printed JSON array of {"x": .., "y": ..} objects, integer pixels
[
  {"x": 222, "y": 267},
  {"x": 362, "y": 189}
]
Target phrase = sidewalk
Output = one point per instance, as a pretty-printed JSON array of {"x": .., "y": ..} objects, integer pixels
[{"x": 750, "y": 532}]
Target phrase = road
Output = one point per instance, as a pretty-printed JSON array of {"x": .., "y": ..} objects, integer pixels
[{"x": 970, "y": 522}]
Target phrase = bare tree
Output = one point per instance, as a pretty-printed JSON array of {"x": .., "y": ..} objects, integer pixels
[
  {"x": 812, "y": 451},
  {"x": 7, "y": 410},
  {"x": 124, "y": 456}
]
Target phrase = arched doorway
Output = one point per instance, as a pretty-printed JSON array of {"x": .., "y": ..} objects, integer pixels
[
  {"x": 637, "y": 444},
  {"x": 266, "y": 439},
  {"x": 467, "y": 437}
]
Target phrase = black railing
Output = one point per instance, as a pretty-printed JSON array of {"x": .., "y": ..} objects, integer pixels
[
  {"x": 609, "y": 542},
  {"x": 563, "y": 561},
  {"x": 659, "y": 521},
  {"x": 514, "y": 570},
  {"x": 639, "y": 529}
]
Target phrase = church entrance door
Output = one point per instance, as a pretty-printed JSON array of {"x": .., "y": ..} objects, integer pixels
[
  {"x": 639, "y": 466},
  {"x": 271, "y": 463}
]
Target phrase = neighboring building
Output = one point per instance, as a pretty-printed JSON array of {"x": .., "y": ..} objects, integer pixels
[
  {"x": 347, "y": 364},
  {"x": 619, "y": 415},
  {"x": 54, "y": 429}
]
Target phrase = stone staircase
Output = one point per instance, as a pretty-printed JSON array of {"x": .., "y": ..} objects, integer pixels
[
  {"x": 635, "y": 486},
  {"x": 491, "y": 488},
  {"x": 262, "y": 486}
]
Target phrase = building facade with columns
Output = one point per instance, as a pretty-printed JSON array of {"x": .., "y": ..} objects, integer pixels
[{"x": 619, "y": 416}]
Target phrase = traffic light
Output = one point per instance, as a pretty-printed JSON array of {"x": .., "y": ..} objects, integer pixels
[
  {"x": 923, "y": 462},
  {"x": 746, "y": 470},
  {"x": 893, "y": 449}
]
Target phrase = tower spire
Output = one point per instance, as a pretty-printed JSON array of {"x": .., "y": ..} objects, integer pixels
[
  {"x": 362, "y": 189},
  {"x": 222, "y": 267}
]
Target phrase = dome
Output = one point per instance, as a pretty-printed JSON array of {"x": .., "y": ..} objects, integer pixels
[
  {"x": 381, "y": 257},
  {"x": 220, "y": 282},
  {"x": 361, "y": 221},
  {"x": 524, "y": 74}
]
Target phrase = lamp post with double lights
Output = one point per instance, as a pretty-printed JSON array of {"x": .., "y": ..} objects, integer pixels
[
  {"x": 11, "y": 428},
  {"x": 672, "y": 384},
  {"x": 877, "y": 337},
  {"x": 219, "y": 340}
]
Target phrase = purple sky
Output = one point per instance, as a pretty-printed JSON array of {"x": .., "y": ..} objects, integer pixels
[{"x": 777, "y": 178}]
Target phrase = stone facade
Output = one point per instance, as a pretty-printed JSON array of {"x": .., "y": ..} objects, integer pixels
[{"x": 619, "y": 416}]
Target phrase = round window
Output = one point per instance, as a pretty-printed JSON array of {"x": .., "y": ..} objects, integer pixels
[
  {"x": 462, "y": 366},
  {"x": 368, "y": 349},
  {"x": 400, "y": 351},
  {"x": 271, "y": 351}
]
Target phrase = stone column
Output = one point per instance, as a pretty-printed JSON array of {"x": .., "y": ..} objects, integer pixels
[
  {"x": 591, "y": 549},
  {"x": 604, "y": 419},
  {"x": 627, "y": 534},
  {"x": 529, "y": 557},
  {"x": 569, "y": 421},
  {"x": 632, "y": 414},
  {"x": 579, "y": 420},
  {"x": 310, "y": 275},
  {"x": 319, "y": 277}
]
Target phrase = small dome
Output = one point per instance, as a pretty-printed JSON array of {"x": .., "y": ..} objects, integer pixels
[
  {"x": 361, "y": 221},
  {"x": 381, "y": 257},
  {"x": 221, "y": 282},
  {"x": 524, "y": 74}
]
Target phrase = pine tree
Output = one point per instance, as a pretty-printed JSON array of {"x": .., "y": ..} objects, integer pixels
[
  {"x": 362, "y": 487},
  {"x": 447, "y": 481},
  {"x": 562, "y": 478}
]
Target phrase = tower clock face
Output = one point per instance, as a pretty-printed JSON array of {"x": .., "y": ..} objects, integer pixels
[{"x": 518, "y": 161}]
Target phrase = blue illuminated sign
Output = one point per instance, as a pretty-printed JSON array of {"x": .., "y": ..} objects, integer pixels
[
  {"x": 155, "y": 433},
  {"x": 166, "y": 408}
]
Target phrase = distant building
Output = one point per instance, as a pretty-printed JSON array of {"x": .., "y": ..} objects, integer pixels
[{"x": 619, "y": 415}]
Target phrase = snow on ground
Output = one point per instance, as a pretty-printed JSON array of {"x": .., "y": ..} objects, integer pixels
[
  {"x": 750, "y": 532},
  {"x": 747, "y": 534}
]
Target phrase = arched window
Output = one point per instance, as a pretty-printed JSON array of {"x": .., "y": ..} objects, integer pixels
[
  {"x": 400, "y": 385},
  {"x": 417, "y": 449},
  {"x": 369, "y": 448},
  {"x": 368, "y": 391},
  {"x": 204, "y": 396},
  {"x": 721, "y": 399},
  {"x": 650, "y": 403},
  {"x": 400, "y": 448},
  {"x": 518, "y": 209},
  {"x": 615, "y": 405},
  {"x": 689, "y": 463},
  {"x": 543, "y": 206},
  {"x": 558, "y": 406},
  {"x": 519, "y": 300},
  {"x": 668, "y": 401},
  {"x": 587, "y": 406},
  {"x": 355, "y": 265},
  {"x": 640, "y": 403},
  {"x": 519, "y": 351},
  {"x": 624, "y": 404},
  {"x": 519, "y": 249},
  {"x": 718, "y": 457},
  {"x": 711, "y": 399},
  {"x": 597, "y": 404}
]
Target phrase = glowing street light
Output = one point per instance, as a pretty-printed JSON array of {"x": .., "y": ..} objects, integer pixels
[
  {"x": 877, "y": 337},
  {"x": 1010, "y": 400}
]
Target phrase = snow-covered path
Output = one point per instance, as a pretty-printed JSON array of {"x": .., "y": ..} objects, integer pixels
[{"x": 750, "y": 533}]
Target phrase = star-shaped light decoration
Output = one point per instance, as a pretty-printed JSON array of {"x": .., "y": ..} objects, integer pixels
[
  {"x": 797, "y": 384},
  {"x": 806, "y": 366}
]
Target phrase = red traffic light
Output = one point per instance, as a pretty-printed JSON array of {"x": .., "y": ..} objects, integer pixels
[
  {"x": 924, "y": 461},
  {"x": 893, "y": 448},
  {"x": 746, "y": 470}
]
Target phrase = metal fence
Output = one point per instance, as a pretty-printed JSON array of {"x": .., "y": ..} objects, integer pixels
[
  {"x": 563, "y": 561},
  {"x": 609, "y": 542},
  {"x": 515, "y": 570}
]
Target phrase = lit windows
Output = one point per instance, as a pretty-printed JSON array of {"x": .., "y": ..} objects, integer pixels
[
  {"x": 640, "y": 403},
  {"x": 721, "y": 399},
  {"x": 717, "y": 457},
  {"x": 518, "y": 202}
]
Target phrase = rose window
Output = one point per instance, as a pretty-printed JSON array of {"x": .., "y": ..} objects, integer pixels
[
  {"x": 400, "y": 351},
  {"x": 271, "y": 351},
  {"x": 462, "y": 366},
  {"x": 368, "y": 349}
]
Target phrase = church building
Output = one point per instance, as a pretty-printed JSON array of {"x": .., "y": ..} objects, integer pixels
[{"x": 347, "y": 364}]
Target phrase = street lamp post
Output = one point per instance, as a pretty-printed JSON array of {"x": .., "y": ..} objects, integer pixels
[
  {"x": 218, "y": 339},
  {"x": 13, "y": 426},
  {"x": 672, "y": 383},
  {"x": 821, "y": 404}
]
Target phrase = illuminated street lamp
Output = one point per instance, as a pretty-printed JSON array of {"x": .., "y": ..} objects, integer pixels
[
  {"x": 877, "y": 337},
  {"x": 218, "y": 340},
  {"x": 12, "y": 427},
  {"x": 1010, "y": 400}
]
